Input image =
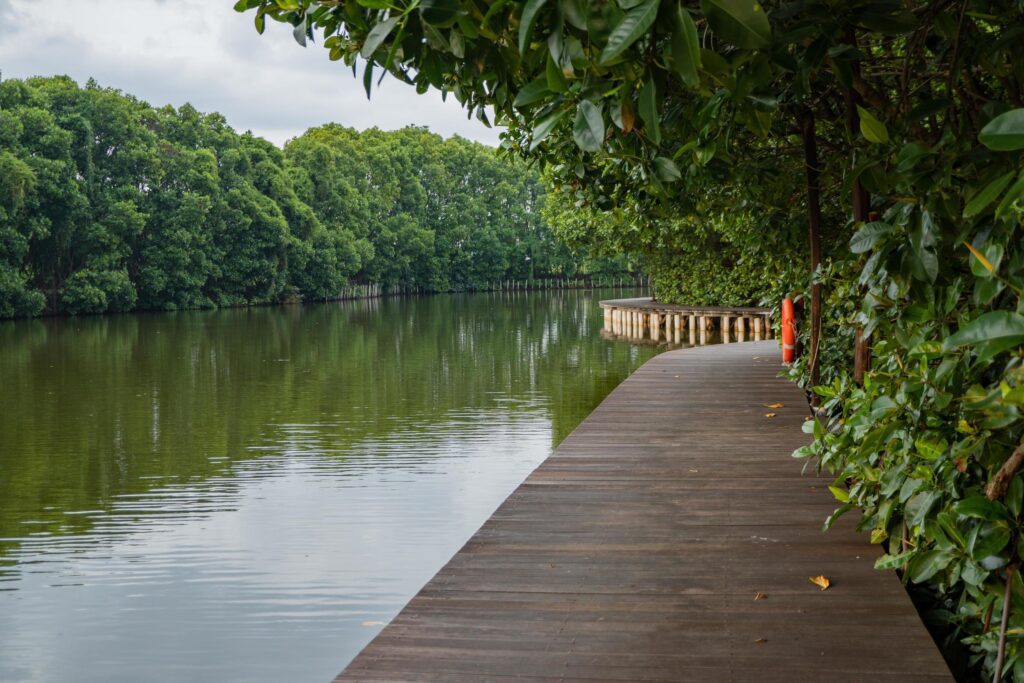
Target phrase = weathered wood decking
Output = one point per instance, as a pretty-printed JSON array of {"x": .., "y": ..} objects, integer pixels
[{"x": 635, "y": 551}]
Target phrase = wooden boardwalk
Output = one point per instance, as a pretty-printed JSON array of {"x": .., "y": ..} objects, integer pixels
[
  {"x": 642, "y": 319},
  {"x": 634, "y": 553}
]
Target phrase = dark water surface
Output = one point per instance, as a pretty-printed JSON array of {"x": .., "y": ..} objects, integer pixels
[{"x": 248, "y": 495}]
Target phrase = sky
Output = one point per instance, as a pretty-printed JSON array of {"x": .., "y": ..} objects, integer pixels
[{"x": 204, "y": 53}]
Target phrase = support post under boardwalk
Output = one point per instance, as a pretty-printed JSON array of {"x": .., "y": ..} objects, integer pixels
[{"x": 636, "y": 550}]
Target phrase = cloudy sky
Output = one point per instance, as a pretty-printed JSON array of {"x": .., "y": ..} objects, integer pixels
[{"x": 202, "y": 52}]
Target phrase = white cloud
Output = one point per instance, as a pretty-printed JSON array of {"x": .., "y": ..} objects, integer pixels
[{"x": 204, "y": 53}]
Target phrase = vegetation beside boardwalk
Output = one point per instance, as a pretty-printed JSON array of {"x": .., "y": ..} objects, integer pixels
[
  {"x": 109, "y": 204},
  {"x": 875, "y": 143}
]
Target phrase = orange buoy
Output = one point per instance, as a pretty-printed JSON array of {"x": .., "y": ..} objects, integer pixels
[{"x": 788, "y": 331}]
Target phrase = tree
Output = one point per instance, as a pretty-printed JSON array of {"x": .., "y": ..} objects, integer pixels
[
  {"x": 107, "y": 204},
  {"x": 894, "y": 127}
]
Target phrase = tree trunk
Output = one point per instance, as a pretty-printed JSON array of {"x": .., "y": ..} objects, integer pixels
[
  {"x": 861, "y": 209},
  {"x": 812, "y": 171}
]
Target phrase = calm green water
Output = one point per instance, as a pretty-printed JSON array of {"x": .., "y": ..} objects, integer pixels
[{"x": 250, "y": 494}]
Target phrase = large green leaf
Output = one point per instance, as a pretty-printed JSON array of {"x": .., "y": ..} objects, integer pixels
[
  {"x": 986, "y": 261},
  {"x": 893, "y": 561},
  {"x": 588, "y": 129},
  {"x": 1005, "y": 326},
  {"x": 871, "y": 128},
  {"x": 377, "y": 35},
  {"x": 987, "y": 195},
  {"x": 554, "y": 76},
  {"x": 299, "y": 32},
  {"x": 927, "y": 564},
  {"x": 532, "y": 92},
  {"x": 866, "y": 238},
  {"x": 635, "y": 24},
  {"x": 990, "y": 539},
  {"x": 1004, "y": 133},
  {"x": 740, "y": 22},
  {"x": 649, "y": 110},
  {"x": 685, "y": 47},
  {"x": 545, "y": 126},
  {"x": 1013, "y": 194},
  {"x": 922, "y": 241},
  {"x": 526, "y": 22},
  {"x": 575, "y": 12},
  {"x": 931, "y": 446},
  {"x": 667, "y": 170}
]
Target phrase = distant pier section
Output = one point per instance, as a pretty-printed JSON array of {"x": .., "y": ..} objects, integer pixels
[{"x": 647, "y": 320}]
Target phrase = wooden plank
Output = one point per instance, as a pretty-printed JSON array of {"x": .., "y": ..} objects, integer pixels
[{"x": 635, "y": 551}]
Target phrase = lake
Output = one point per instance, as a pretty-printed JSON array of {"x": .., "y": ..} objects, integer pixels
[{"x": 250, "y": 494}]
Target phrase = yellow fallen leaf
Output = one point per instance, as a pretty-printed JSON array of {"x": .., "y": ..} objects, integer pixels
[
  {"x": 694, "y": 471},
  {"x": 774, "y": 405},
  {"x": 761, "y": 641},
  {"x": 820, "y": 581},
  {"x": 373, "y": 623},
  {"x": 760, "y": 596},
  {"x": 769, "y": 414}
]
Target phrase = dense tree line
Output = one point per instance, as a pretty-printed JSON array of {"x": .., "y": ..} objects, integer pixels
[{"x": 109, "y": 204}]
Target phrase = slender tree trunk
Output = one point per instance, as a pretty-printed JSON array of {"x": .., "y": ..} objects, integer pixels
[
  {"x": 861, "y": 209},
  {"x": 812, "y": 171}
]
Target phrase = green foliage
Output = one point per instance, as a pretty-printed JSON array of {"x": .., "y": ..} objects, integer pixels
[
  {"x": 916, "y": 114},
  {"x": 98, "y": 291},
  {"x": 107, "y": 204}
]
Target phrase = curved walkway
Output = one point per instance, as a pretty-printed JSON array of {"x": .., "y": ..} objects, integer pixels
[{"x": 635, "y": 552}]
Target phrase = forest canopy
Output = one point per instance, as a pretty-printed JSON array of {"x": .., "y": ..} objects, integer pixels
[{"x": 109, "y": 204}]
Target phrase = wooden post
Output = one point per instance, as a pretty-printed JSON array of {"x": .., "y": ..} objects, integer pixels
[
  {"x": 741, "y": 328},
  {"x": 655, "y": 324},
  {"x": 725, "y": 329},
  {"x": 693, "y": 325}
]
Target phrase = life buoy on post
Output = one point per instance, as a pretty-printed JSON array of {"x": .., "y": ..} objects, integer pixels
[{"x": 788, "y": 331}]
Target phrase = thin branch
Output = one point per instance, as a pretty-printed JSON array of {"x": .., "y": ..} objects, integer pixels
[
  {"x": 997, "y": 675},
  {"x": 1000, "y": 483}
]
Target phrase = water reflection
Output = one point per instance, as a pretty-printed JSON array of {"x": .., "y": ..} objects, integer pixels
[{"x": 249, "y": 494}]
